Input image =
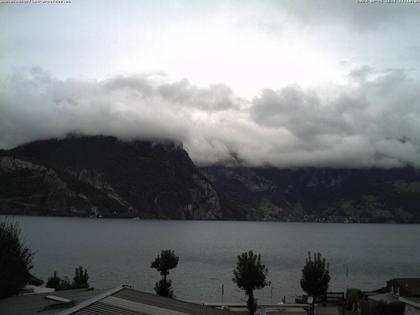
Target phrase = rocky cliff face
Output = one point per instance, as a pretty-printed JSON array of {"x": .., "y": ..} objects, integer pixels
[
  {"x": 28, "y": 188},
  {"x": 321, "y": 195},
  {"x": 103, "y": 176}
]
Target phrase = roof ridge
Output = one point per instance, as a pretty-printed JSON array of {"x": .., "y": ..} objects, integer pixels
[{"x": 91, "y": 301}]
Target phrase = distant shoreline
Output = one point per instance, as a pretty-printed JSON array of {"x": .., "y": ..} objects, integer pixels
[{"x": 203, "y": 220}]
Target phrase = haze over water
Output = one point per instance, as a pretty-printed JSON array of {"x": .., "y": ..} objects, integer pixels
[{"x": 120, "y": 251}]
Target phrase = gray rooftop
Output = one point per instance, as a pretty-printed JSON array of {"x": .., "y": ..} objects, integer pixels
[
  {"x": 413, "y": 301},
  {"x": 386, "y": 297},
  {"x": 29, "y": 304},
  {"x": 118, "y": 301},
  {"x": 127, "y": 301}
]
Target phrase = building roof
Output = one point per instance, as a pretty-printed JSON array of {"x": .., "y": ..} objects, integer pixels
[
  {"x": 118, "y": 301},
  {"x": 413, "y": 301},
  {"x": 127, "y": 301},
  {"x": 34, "y": 280},
  {"x": 385, "y": 297},
  {"x": 410, "y": 285},
  {"x": 29, "y": 304}
]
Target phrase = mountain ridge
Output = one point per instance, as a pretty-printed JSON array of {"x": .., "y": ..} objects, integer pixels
[
  {"x": 320, "y": 194},
  {"x": 118, "y": 178},
  {"x": 106, "y": 177}
]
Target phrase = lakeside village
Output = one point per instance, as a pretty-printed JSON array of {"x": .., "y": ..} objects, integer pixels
[{"x": 22, "y": 293}]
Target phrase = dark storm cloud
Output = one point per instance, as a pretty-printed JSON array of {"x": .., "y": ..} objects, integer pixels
[{"x": 374, "y": 120}]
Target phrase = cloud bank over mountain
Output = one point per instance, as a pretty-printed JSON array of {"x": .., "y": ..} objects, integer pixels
[{"x": 371, "y": 121}]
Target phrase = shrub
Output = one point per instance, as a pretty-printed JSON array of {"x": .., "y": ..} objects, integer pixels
[
  {"x": 81, "y": 278},
  {"x": 15, "y": 260},
  {"x": 353, "y": 297},
  {"x": 66, "y": 284},
  {"x": 54, "y": 281}
]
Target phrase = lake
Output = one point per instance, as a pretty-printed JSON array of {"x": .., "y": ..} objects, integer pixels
[{"x": 120, "y": 251}]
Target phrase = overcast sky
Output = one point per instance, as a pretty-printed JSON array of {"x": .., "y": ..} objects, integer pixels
[{"x": 285, "y": 83}]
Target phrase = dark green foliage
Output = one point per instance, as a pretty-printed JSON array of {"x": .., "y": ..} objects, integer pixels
[
  {"x": 382, "y": 308},
  {"x": 315, "y": 276},
  {"x": 164, "y": 288},
  {"x": 81, "y": 277},
  {"x": 166, "y": 261},
  {"x": 54, "y": 281},
  {"x": 66, "y": 284},
  {"x": 15, "y": 260},
  {"x": 353, "y": 297},
  {"x": 80, "y": 280},
  {"x": 250, "y": 274}
]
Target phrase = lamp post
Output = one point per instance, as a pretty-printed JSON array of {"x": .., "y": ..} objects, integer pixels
[
  {"x": 223, "y": 291},
  {"x": 311, "y": 305},
  {"x": 271, "y": 294}
]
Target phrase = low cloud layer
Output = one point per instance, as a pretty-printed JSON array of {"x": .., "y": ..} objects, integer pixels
[
  {"x": 365, "y": 15},
  {"x": 372, "y": 121}
]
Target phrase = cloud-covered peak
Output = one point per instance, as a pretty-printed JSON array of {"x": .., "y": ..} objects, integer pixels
[{"x": 372, "y": 121}]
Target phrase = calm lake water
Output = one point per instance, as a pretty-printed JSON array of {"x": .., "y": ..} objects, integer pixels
[{"x": 120, "y": 251}]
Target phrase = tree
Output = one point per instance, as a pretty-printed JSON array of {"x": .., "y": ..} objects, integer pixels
[
  {"x": 15, "y": 260},
  {"x": 353, "y": 297},
  {"x": 315, "y": 276},
  {"x": 54, "y": 281},
  {"x": 164, "y": 262},
  {"x": 250, "y": 274},
  {"x": 81, "y": 278}
]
